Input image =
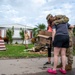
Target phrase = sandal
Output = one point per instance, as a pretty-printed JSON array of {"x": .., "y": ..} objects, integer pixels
[
  {"x": 52, "y": 71},
  {"x": 62, "y": 71}
]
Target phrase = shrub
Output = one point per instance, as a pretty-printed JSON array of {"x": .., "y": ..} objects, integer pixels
[
  {"x": 6, "y": 40},
  {"x": 16, "y": 42}
]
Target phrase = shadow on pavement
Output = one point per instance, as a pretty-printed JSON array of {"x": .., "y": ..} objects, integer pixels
[{"x": 72, "y": 72}]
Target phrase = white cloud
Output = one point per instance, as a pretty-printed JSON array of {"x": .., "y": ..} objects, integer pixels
[
  {"x": 34, "y": 11},
  {"x": 39, "y": 2},
  {"x": 50, "y": 0},
  {"x": 46, "y": 12},
  {"x": 12, "y": 11},
  {"x": 18, "y": 19},
  {"x": 67, "y": 6},
  {"x": 1, "y": 11},
  {"x": 8, "y": 10}
]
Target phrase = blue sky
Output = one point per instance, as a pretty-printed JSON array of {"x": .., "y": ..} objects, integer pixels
[{"x": 33, "y": 12}]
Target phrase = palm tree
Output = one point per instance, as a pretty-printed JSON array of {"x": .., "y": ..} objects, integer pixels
[
  {"x": 38, "y": 28},
  {"x": 41, "y": 27},
  {"x": 36, "y": 31}
]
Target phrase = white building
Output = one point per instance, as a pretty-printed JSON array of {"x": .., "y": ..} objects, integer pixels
[{"x": 16, "y": 36}]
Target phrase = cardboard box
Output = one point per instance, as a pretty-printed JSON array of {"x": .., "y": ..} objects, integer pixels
[{"x": 44, "y": 37}]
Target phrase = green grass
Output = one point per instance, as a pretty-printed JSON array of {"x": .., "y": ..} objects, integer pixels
[{"x": 18, "y": 51}]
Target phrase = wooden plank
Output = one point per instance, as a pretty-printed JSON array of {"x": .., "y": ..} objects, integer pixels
[{"x": 44, "y": 36}]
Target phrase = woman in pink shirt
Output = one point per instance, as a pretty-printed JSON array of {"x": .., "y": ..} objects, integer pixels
[{"x": 49, "y": 29}]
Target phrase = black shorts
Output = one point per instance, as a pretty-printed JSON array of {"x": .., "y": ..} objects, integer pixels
[{"x": 61, "y": 41}]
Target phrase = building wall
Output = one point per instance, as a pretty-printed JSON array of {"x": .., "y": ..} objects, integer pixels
[
  {"x": 16, "y": 34},
  {"x": 2, "y": 31}
]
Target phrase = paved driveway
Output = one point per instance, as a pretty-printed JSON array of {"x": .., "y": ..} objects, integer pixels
[
  {"x": 45, "y": 73},
  {"x": 31, "y": 66}
]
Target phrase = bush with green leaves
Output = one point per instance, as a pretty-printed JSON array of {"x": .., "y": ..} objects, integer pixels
[
  {"x": 22, "y": 33},
  {"x": 9, "y": 34}
]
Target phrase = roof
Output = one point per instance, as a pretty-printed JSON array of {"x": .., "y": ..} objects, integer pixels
[{"x": 16, "y": 26}]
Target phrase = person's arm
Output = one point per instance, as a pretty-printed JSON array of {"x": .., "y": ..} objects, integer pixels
[
  {"x": 72, "y": 26},
  {"x": 53, "y": 32}
]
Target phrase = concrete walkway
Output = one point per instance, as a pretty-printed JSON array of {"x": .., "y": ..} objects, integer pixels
[{"x": 31, "y": 66}]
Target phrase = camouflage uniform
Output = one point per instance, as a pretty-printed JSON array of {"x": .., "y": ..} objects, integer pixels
[
  {"x": 60, "y": 19},
  {"x": 69, "y": 52}
]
